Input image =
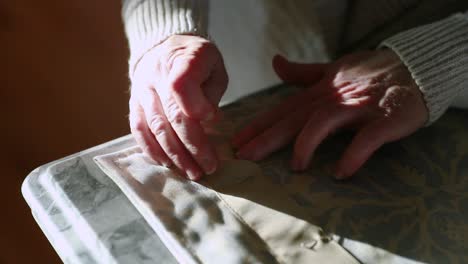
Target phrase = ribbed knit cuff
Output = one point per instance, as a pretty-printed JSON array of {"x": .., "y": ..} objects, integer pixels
[
  {"x": 150, "y": 22},
  {"x": 437, "y": 57}
]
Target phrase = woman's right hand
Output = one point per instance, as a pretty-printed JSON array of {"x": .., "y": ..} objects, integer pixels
[{"x": 175, "y": 86}]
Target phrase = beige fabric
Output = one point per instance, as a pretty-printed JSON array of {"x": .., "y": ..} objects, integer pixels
[
  {"x": 194, "y": 224},
  {"x": 233, "y": 216},
  {"x": 266, "y": 209}
]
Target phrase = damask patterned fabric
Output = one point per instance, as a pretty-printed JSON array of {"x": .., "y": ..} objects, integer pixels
[{"x": 409, "y": 203}]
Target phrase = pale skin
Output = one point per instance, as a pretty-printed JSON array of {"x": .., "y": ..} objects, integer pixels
[{"x": 178, "y": 84}]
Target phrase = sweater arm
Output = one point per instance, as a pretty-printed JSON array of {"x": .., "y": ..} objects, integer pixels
[
  {"x": 437, "y": 57},
  {"x": 150, "y": 22}
]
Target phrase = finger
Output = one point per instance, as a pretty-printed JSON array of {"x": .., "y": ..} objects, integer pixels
[
  {"x": 321, "y": 123},
  {"x": 277, "y": 136},
  {"x": 192, "y": 135},
  {"x": 265, "y": 120},
  {"x": 364, "y": 144},
  {"x": 190, "y": 132},
  {"x": 143, "y": 136},
  {"x": 185, "y": 81},
  {"x": 165, "y": 135},
  {"x": 298, "y": 73},
  {"x": 215, "y": 86}
]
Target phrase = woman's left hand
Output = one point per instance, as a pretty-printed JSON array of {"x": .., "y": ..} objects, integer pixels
[{"x": 372, "y": 92}]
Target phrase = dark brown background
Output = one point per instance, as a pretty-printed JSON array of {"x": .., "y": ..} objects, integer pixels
[{"x": 63, "y": 89}]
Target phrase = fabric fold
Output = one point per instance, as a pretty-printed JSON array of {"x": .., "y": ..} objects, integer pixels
[{"x": 235, "y": 216}]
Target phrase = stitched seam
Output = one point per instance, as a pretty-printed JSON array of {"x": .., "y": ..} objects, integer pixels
[{"x": 250, "y": 228}]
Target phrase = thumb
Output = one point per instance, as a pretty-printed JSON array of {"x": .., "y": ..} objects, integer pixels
[
  {"x": 297, "y": 73},
  {"x": 215, "y": 86},
  {"x": 185, "y": 81}
]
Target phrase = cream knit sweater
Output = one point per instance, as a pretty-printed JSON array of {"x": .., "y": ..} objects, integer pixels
[{"x": 436, "y": 54}]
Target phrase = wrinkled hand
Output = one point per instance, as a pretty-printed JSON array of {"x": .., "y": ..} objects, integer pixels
[
  {"x": 177, "y": 85},
  {"x": 372, "y": 92}
]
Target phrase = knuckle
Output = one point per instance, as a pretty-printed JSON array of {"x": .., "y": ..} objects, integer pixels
[
  {"x": 207, "y": 47},
  {"x": 174, "y": 55},
  {"x": 174, "y": 115},
  {"x": 340, "y": 80},
  {"x": 158, "y": 124}
]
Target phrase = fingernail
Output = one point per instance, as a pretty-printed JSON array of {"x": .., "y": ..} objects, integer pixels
[
  {"x": 208, "y": 165},
  {"x": 167, "y": 164},
  {"x": 192, "y": 175}
]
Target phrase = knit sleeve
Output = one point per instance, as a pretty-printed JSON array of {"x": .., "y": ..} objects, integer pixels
[
  {"x": 437, "y": 57},
  {"x": 149, "y": 22}
]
